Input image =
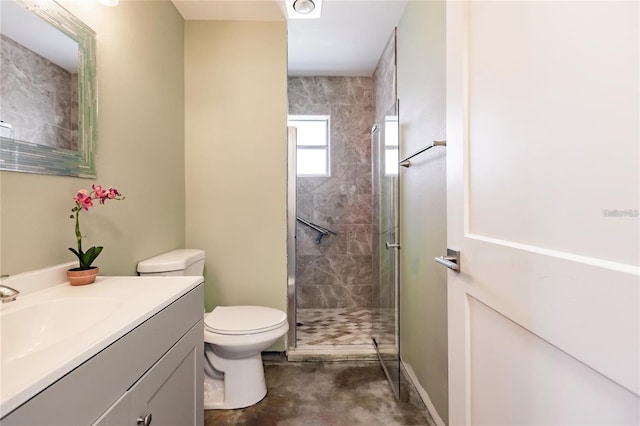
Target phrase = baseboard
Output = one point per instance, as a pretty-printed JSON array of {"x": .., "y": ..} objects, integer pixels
[{"x": 423, "y": 394}]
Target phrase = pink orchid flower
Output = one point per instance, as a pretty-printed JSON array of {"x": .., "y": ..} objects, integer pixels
[
  {"x": 86, "y": 203},
  {"x": 83, "y": 199},
  {"x": 100, "y": 193},
  {"x": 80, "y": 195},
  {"x": 113, "y": 193}
]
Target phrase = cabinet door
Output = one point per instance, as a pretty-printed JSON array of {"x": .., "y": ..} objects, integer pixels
[
  {"x": 172, "y": 390},
  {"x": 119, "y": 414}
]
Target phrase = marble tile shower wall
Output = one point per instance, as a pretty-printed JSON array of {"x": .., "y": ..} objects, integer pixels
[
  {"x": 338, "y": 272},
  {"x": 39, "y": 99}
]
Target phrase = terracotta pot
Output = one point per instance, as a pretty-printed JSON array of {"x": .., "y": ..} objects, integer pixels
[{"x": 78, "y": 276}]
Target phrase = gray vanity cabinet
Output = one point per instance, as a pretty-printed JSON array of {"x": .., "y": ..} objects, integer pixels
[
  {"x": 167, "y": 394},
  {"x": 156, "y": 369},
  {"x": 172, "y": 391}
]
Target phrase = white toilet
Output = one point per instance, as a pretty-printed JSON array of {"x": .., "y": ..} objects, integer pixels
[{"x": 234, "y": 337}]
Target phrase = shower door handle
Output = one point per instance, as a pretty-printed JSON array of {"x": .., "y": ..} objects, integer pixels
[
  {"x": 451, "y": 260},
  {"x": 388, "y": 245}
]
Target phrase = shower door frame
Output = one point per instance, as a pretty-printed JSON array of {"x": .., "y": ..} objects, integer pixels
[
  {"x": 378, "y": 148},
  {"x": 291, "y": 236}
]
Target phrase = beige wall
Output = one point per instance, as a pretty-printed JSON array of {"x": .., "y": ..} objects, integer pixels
[
  {"x": 236, "y": 158},
  {"x": 421, "y": 94},
  {"x": 140, "y": 151}
]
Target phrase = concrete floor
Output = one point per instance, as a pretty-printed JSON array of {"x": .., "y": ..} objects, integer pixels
[{"x": 320, "y": 394}]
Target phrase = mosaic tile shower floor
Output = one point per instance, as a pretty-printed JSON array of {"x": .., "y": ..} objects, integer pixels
[{"x": 341, "y": 326}]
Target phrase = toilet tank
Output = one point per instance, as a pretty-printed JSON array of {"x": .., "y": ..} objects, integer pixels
[{"x": 182, "y": 262}]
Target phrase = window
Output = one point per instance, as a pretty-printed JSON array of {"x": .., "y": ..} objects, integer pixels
[
  {"x": 391, "y": 145},
  {"x": 312, "y": 144}
]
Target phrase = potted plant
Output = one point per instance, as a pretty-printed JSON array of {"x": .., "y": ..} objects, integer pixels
[{"x": 85, "y": 273}]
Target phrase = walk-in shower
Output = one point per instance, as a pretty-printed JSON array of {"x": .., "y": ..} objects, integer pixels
[
  {"x": 333, "y": 292},
  {"x": 340, "y": 295},
  {"x": 335, "y": 325}
]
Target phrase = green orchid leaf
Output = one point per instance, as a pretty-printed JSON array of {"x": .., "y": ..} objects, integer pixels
[{"x": 87, "y": 258}]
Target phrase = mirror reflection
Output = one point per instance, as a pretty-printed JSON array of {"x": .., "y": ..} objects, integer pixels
[
  {"x": 39, "y": 80},
  {"x": 47, "y": 87}
]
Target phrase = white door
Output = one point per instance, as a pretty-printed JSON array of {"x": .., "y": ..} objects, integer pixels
[{"x": 543, "y": 195}]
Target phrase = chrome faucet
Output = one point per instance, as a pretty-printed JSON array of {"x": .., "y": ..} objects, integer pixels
[{"x": 7, "y": 294}]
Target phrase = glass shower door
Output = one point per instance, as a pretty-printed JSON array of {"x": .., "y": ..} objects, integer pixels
[{"x": 386, "y": 327}]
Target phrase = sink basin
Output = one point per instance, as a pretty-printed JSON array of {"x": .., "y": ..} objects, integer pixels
[
  {"x": 39, "y": 326},
  {"x": 52, "y": 328}
]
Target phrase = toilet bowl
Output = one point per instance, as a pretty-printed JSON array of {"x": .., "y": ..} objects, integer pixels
[{"x": 234, "y": 337}]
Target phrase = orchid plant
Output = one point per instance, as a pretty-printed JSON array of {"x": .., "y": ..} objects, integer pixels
[{"x": 84, "y": 200}]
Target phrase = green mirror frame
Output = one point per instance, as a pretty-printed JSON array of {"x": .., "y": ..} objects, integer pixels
[{"x": 28, "y": 157}]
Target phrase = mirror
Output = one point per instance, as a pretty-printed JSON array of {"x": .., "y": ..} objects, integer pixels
[{"x": 48, "y": 90}]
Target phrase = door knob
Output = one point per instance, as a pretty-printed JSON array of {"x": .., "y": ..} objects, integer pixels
[{"x": 388, "y": 245}]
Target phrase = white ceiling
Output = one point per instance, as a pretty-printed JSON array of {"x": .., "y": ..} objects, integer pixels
[{"x": 347, "y": 40}]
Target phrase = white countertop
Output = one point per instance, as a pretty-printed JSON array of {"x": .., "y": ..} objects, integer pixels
[{"x": 137, "y": 299}]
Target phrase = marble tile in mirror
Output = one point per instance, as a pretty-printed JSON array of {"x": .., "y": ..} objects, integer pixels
[{"x": 48, "y": 90}]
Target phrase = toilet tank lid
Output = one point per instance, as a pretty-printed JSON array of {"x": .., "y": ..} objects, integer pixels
[{"x": 175, "y": 260}]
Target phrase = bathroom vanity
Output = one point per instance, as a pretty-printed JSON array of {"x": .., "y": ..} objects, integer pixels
[{"x": 136, "y": 359}]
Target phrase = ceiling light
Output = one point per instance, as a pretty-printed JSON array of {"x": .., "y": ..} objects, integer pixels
[
  {"x": 303, "y": 9},
  {"x": 304, "y": 6}
]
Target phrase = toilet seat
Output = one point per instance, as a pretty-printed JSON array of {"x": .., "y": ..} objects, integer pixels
[{"x": 241, "y": 320}]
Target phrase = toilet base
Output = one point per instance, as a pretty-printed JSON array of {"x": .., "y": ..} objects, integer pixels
[{"x": 243, "y": 383}]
